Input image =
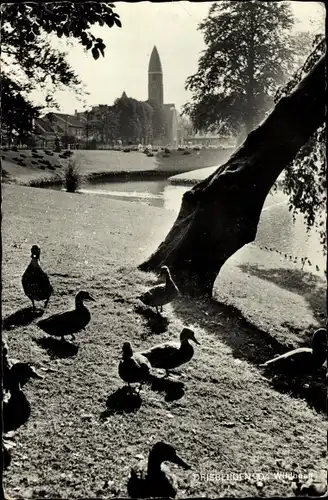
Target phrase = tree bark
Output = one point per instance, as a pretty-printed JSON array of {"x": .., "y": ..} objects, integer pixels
[{"x": 220, "y": 215}]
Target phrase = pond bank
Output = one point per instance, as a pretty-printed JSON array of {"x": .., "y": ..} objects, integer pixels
[{"x": 113, "y": 176}]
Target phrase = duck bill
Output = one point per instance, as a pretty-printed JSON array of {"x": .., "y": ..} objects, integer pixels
[
  {"x": 196, "y": 341},
  {"x": 182, "y": 463},
  {"x": 91, "y": 298}
]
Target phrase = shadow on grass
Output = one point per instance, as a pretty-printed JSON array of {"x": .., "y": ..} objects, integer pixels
[
  {"x": 249, "y": 343},
  {"x": 57, "y": 348},
  {"x": 303, "y": 283},
  {"x": 174, "y": 389},
  {"x": 121, "y": 401},
  {"x": 155, "y": 321},
  {"x": 22, "y": 317},
  {"x": 312, "y": 388}
]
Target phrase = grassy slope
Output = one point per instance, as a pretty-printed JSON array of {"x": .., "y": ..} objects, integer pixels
[
  {"x": 90, "y": 162},
  {"x": 230, "y": 418}
]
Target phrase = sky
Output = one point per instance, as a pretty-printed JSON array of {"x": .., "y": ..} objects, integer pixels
[{"x": 172, "y": 27}]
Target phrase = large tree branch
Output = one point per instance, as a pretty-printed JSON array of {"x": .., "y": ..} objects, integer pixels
[{"x": 220, "y": 214}]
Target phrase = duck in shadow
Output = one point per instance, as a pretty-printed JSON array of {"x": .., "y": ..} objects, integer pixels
[
  {"x": 154, "y": 478},
  {"x": 35, "y": 281},
  {"x": 16, "y": 407},
  {"x": 22, "y": 317},
  {"x": 304, "y": 360},
  {"x": 161, "y": 294},
  {"x": 69, "y": 322},
  {"x": 170, "y": 355},
  {"x": 121, "y": 401}
]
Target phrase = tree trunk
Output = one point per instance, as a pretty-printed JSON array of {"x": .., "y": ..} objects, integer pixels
[{"x": 220, "y": 215}]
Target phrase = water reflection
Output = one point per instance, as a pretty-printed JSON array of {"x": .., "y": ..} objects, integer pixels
[
  {"x": 276, "y": 228},
  {"x": 156, "y": 193}
]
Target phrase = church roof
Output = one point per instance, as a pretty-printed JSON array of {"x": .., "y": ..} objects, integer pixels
[{"x": 155, "y": 65}]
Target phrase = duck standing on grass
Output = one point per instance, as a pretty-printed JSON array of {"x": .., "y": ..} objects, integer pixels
[
  {"x": 154, "y": 479},
  {"x": 170, "y": 355},
  {"x": 133, "y": 367},
  {"x": 17, "y": 409},
  {"x": 162, "y": 294},
  {"x": 69, "y": 322},
  {"x": 303, "y": 359},
  {"x": 35, "y": 281}
]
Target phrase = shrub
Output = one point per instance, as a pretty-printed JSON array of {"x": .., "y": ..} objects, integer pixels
[{"x": 72, "y": 177}]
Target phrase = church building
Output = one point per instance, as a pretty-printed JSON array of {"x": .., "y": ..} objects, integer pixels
[{"x": 156, "y": 94}]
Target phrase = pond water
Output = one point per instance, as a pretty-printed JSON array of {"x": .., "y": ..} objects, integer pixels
[
  {"x": 159, "y": 193},
  {"x": 276, "y": 229}
]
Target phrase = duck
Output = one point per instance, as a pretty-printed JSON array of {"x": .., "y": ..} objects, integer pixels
[
  {"x": 162, "y": 294},
  {"x": 303, "y": 359},
  {"x": 170, "y": 355},
  {"x": 35, "y": 281},
  {"x": 69, "y": 322},
  {"x": 133, "y": 367},
  {"x": 153, "y": 478},
  {"x": 16, "y": 407}
]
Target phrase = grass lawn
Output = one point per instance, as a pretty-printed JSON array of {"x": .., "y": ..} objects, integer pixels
[
  {"x": 26, "y": 167},
  {"x": 230, "y": 420}
]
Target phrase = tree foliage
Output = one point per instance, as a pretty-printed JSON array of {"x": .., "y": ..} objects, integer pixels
[
  {"x": 127, "y": 119},
  {"x": 304, "y": 180},
  {"x": 247, "y": 55},
  {"x": 28, "y": 60}
]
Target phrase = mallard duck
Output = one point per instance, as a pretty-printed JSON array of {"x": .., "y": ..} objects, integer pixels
[
  {"x": 172, "y": 354},
  {"x": 154, "y": 479},
  {"x": 69, "y": 322},
  {"x": 133, "y": 367},
  {"x": 35, "y": 281},
  {"x": 162, "y": 294},
  {"x": 16, "y": 408},
  {"x": 303, "y": 359}
]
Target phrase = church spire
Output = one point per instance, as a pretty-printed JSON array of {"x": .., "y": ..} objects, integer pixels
[
  {"x": 155, "y": 79},
  {"x": 155, "y": 65}
]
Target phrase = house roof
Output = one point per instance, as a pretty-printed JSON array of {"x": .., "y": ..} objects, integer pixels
[
  {"x": 71, "y": 120},
  {"x": 43, "y": 126}
]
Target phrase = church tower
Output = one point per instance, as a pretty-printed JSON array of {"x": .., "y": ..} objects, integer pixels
[{"x": 155, "y": 78}]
